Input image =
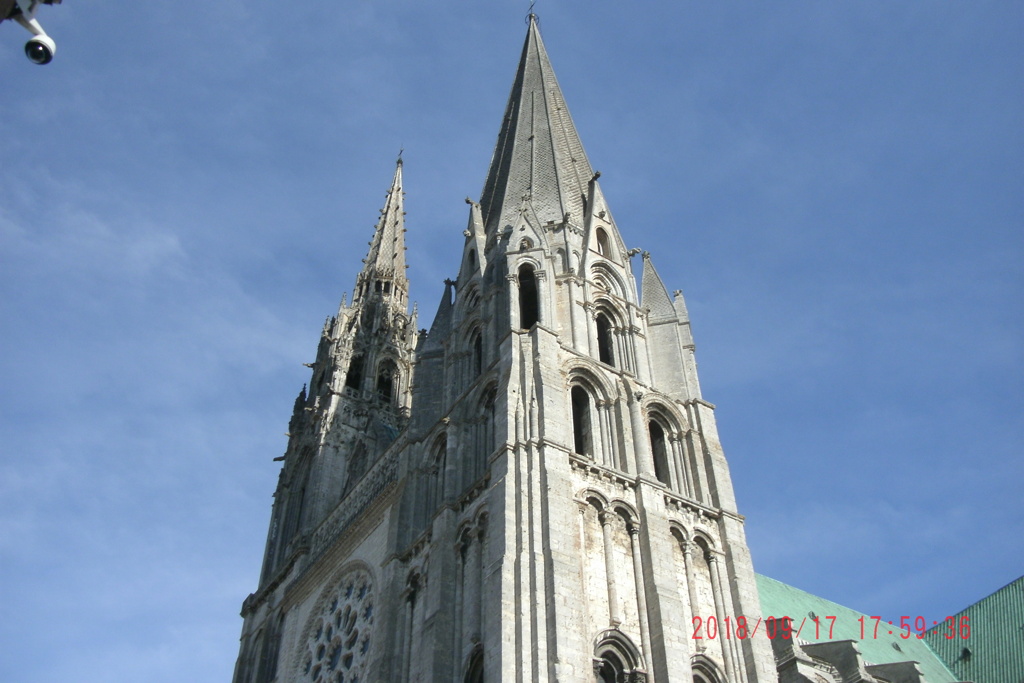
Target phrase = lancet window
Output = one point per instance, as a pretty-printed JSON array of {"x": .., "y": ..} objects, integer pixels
[
  {"x": 469, "y": 597},
  {"x": 387, "y": 377},
  {"x": 659, "y": 451},
  {"x": 602, "y": 242},
  {"x": 671, "y": 466},
  {"x": 476, "y": 351},
  {"x": 593, "y": 428},
  {"x": 605, "y": 342},
  {"x": 475, "y": 672},
  {"x": 436, "y": 472},
  {"x": 581, "y": 421},
  {"x": 529, "y": 301},
  {"x": 354, "y": 377}
]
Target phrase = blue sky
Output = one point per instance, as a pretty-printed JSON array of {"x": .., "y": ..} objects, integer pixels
[{"x": 836, "y": 187}]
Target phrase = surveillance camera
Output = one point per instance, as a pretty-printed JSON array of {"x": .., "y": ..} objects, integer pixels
[{"x": 40, "y": 49}]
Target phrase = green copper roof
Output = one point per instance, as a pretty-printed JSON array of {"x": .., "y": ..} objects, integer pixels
[
  {"x": 994, "y": 650},
  {"x": 779, "y": 600}
]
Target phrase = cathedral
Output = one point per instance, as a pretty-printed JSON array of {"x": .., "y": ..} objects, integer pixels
[{"x": 532, "y": 490}]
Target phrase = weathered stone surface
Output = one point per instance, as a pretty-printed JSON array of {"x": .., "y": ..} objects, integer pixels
[{"x": 533, "y": 491}]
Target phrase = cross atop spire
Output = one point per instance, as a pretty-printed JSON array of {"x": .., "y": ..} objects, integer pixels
[
  {"x": 538, "y": 157},
  {"x": 384, "y": 266}
]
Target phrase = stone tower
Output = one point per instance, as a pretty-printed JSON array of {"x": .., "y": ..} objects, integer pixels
[{"x": 537, "y": 492}]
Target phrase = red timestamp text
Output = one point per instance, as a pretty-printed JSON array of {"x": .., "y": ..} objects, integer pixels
[
  {"x": 823, "y": 628},
  {"x": 952, "y": 627}
]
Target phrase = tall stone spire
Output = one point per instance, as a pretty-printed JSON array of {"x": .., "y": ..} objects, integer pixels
[
  {"x": 358, "y": 396},
  {"x": 384, "y": 266},
  {"x": 539, "y": 158}
]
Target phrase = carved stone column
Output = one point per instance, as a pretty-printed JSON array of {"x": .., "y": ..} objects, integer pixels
[
  {"x": 720, "y": 614},
  {"x": 609, "y": 568},
  {"x": 689, "y": 549},
  {"x": 641, "y": 593}
]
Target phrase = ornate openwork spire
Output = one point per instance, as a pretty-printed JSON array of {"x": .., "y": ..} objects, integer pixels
[
  {"x": 384, "y": 266},
  {"x": 538, "y": 157}
]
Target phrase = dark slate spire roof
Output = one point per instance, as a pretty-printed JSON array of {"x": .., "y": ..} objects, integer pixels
[{"x": 539, "y": 156}]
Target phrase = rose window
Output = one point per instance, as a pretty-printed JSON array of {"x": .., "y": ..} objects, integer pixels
[{"x": 339, "y": 638}]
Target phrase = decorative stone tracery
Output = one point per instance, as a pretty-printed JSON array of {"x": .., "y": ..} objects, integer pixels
[{"x": 339, "y": 633}]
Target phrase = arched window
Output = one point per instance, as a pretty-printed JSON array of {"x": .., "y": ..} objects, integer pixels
[
  {"x": 705, "y": 670},
  {"x": 296, "y": 506},
  {"x": 477, "y": 351},
  {"x": 475, "y": 671},
  {"x": 490, "y": 422},
  {"x": 271, "y": 651},
  {"x": 581, "y": 422},
  {"x": 616, "y": 659},
  {"x": 611, "y": 669},
  {"x": 605, "y": 346},
  {"x": 529, "y": 304},
  {"x": 354, "y": 377},
  {"x": 660, "y": 452},
  {"x": 386, "y": 381},
  {"x": 438, "y": 462},
  {"x": 602, "y": 242}
]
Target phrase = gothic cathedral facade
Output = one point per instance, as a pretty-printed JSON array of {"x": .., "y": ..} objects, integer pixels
[{"x": 533, "y": 490}]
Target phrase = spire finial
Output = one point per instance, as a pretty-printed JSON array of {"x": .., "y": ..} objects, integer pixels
[
  {"x": 400, "y": 150},
  {"x": 529, "y": 14}
]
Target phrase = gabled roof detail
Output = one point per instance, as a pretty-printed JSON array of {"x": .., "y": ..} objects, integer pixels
[
  {"x": 442, "y": 325},
  {"x": 993, "y": 650},
  {"x": 838, "y": 623},
  {"x": 654, "y": 296},
  {"x": 538, "y": 156},
  {"x": 386, "y": 258}
]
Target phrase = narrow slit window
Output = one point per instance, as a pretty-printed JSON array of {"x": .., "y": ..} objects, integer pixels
[
  {"x": 581, "y": 422},
  {"x": 605, "y": 350},
  {"x": 529, "y": 304},
  {"x": 354, "y": 376},
  {"x": 660, "y": 452}
]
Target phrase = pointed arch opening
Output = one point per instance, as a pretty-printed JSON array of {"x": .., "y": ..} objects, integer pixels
[
  {"x": 605, "y": 342},
  {"x": 659, "y": 449},
  {"x": 437, "y": 464},
  {"x": 665, "y": 428},
  {"x": 705, "y": 670},
  {"x": 476, "y": 350},
  {"x": 354, "y": 376},
  {"x": 617, "y": 659},
  {"x": 475, "y": 670},
  {"x": 387, "y": 381},
  {"x": 611, "y": 669},
  {"x": 490, "y": 418},
  {"x": 581, "y": 421},
  {"x": 529, "y": 301},
  {"x": 602, "y": 242}
]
